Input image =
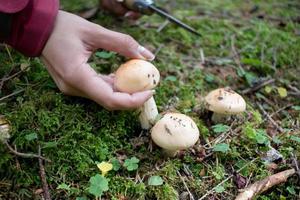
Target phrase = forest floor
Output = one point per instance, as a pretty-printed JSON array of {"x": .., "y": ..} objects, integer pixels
[{"x": 252, "y": 47}]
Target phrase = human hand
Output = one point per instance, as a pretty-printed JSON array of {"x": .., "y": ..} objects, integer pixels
[
  {"x": 66, "y": 54},
  {"x": 116, "y": 7}
]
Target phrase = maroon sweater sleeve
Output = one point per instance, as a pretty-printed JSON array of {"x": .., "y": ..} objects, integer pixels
[{"x": 31, "y": 23}]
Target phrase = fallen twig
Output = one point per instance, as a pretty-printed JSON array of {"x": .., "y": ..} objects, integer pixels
[
  {"x": 281, "y": 109},
  {"x": 162, "y": 26},
  {"x": 259, "y": 86},
  {"x": 12, "y": 94},
  {"x": 158, "y": 49},
  {"x": 280, "y": 129},
  {"x": 24, "y": 155},
  {"x": 185, "y": 185},
  {"x": 261, "y": 186},
  {"x": 295, "y": 162},
  {"x": 46, "y": 193}
]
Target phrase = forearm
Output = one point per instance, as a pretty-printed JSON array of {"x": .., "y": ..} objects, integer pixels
[{"x": 26, "y": 24}]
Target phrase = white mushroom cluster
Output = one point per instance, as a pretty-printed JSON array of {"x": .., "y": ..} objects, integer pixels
[{"x": 174, "y": 131}]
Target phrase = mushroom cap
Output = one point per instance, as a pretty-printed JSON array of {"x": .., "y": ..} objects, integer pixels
[
  {"x": 225, "y": 101},
  {"x": 175, "y": 131},
  {"x": 135, "y": 76}
]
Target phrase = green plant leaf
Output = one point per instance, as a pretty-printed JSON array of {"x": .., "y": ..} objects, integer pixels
[
  {"x": 220, "y": 128},
  {"x": 31, "y": 136},
  {"x": 251, "y": 61},
  {"x": 220, "y": 189},
  {"x": 63, "y": 186},
  {"x": 209, "y": 78},
  {"x": 250, "y": 132},
  {"x": 268, "y": 89},
  {"x": 297, "y": 108},
  {"x": 261, "y": 137},
  {"x": 49, "y": 145},
  {"x": 282, "y": 92},
  {"x": 222, "y": 147},
  {"x": 155, "y": 180},
  {"x": 295, "y": 138},
  {"x": 250, "y": 78},
  {"x": 276, "y": 140},
  {"x": 98, "y": 185},
  {"x": 104, "y": 54},
  {"x": 291, "y": 190},
  {"x": 132, "y": 163},
  {"x": 171, "y": 78},
  {"x": 81, "y": 198},
  {"x": 116, "y": 164}
]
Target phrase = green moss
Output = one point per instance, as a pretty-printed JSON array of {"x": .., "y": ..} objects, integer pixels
[{"x": 75, "y": 133}]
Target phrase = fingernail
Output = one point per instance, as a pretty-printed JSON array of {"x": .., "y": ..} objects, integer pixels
[
  {"x": 146, "y": 53},
  {"x": 153, "y": 91}
]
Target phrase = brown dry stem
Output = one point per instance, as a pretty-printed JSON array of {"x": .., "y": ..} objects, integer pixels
[{"x": 261, "y": 186}]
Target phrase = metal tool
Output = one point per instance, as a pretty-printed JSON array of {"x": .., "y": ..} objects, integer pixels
[{"x": 148, "y": 7}]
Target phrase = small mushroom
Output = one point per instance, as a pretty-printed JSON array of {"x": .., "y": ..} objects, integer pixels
[
  {"x": 4, "y": 129},
  {"x": 173, "y": 132},
  {"x": 224, "y": 102},
  {"x": 135, "y": 76}
]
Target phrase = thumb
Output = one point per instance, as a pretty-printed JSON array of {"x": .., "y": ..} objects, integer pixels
[{"x": 121, "y": 43}]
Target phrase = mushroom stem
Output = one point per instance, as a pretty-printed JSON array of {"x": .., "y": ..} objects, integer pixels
[
  {"x": 220, "y": 118},
  {"x": 148, "y": 114},
  {"x": 170, "y": 153}
]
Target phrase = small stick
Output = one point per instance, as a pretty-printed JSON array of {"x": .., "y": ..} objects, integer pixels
[
  {"x": 158, "y": 49},
  {"x": 202, "y": 56},
  {"x": 270, "y": 118},
  {"x": 12, "y": 94},
  {"x": 162, "y": 26},
  {"x": 24, "y": 155},
  {"x": 261, "y": 186},
  {"x": 296, "y": 164},
  {"x": 229, "y": 177},
  {"x": 281, "y": 109},
  {"x": 259, "y": 86},
  {"x": 185, "y": 185},
  {"x": 46, "y": 193},
  {"x": 294, "y": 89}
]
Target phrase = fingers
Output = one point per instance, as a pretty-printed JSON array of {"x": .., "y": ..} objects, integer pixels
[
  {"x": 85, "y": 82},
  {"x": 130, "y": 101},
  {"x": 120, "y": 43}
]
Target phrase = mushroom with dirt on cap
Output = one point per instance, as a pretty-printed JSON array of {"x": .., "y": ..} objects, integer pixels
[
  {"x": 224, "y": 102},
  {"x": 173, "y": 132},
  {"x": 135, "y": 76}
]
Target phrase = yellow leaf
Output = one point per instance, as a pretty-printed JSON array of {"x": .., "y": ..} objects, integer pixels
[
  {"x": 268, "y": 89},
  {"x": 282, "y": 92},
  {"x": 104, "y": 167}
]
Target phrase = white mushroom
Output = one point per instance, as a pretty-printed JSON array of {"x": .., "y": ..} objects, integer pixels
[
  {"x": 4, "y": 129},
  {"x": 135, "y": 76},
  {"x": 224, "y": 102},
  {"x": 173, "y": 132}
]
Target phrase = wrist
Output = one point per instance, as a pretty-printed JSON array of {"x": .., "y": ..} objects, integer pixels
[{"x": 31, "y": 27}]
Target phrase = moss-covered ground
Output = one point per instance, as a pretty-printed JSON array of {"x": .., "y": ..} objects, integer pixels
[{"x": 244, "y": 43}]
